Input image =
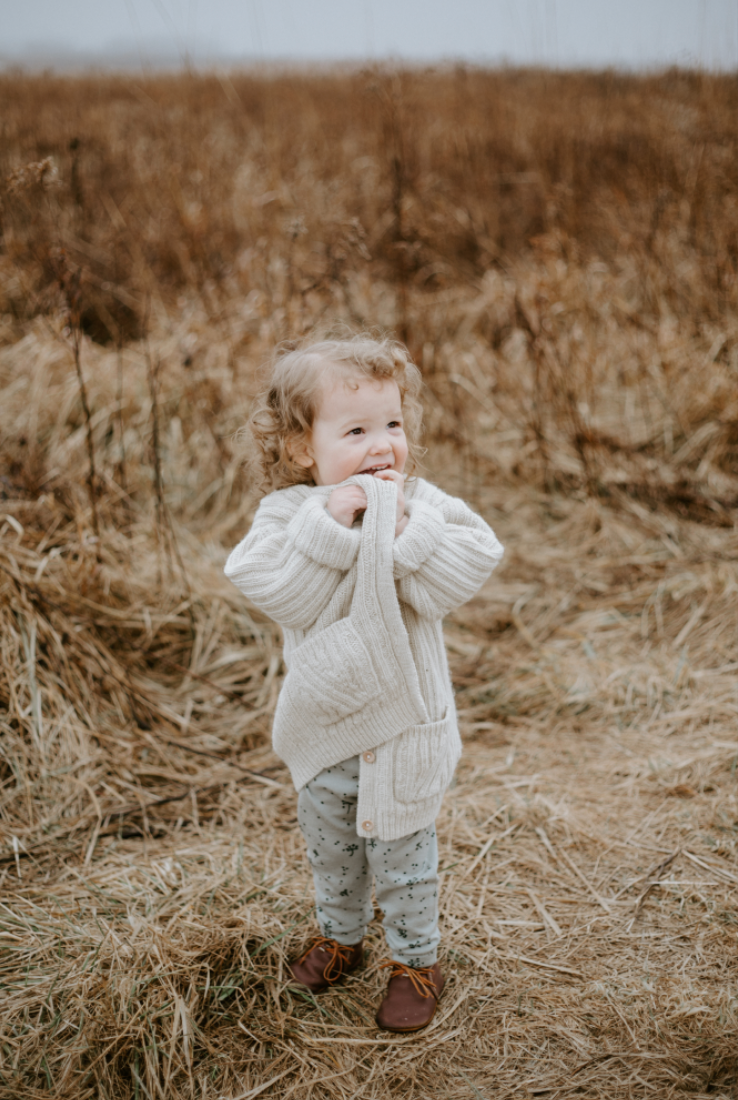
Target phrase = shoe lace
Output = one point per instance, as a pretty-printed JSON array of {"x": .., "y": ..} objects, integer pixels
[
  {"x": 421, "y": 977},
  {"x": 340, "y": 956}
]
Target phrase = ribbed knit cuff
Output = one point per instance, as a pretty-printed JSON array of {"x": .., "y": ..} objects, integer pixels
[
  {"x": 420, "y": 538},
  {"x": 315, "y": 533}
]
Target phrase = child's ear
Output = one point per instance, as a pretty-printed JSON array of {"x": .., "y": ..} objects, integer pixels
[{"x": 301, "y": 452}]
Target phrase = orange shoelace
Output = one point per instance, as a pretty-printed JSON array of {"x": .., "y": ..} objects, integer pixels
[
  {"x": 421, "y": 978},
  {"x": 340, "y": 956}
]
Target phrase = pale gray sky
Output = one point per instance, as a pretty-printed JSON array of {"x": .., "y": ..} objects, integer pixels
[{"x": 630, "y": 33}]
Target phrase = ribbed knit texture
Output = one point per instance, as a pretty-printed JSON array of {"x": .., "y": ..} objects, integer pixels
[{"x": 361, "y": 613}]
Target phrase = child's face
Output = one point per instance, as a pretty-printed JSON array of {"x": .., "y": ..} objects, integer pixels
[{"x": 358, "y": 429}]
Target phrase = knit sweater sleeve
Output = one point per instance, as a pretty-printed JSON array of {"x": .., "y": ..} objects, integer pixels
[
  {"x": 444, "y": 555},
  {"x": 293, "y": 558}
]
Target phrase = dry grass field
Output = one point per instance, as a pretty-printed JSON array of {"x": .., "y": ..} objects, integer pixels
[{"x": 560, "y": 253}]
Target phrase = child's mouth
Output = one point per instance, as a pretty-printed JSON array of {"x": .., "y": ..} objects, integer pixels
[{"x": 376, "y": 469}]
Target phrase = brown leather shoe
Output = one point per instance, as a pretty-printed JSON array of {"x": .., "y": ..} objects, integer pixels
[
  {"x": 325, "y": 962},
  {"x": 411, "y": 998}
]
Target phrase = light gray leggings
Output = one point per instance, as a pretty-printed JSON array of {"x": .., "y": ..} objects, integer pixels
[{"x": 405, "y": 871}]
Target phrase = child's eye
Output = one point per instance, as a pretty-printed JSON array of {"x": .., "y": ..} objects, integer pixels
[
  {"x": 356, "y": 431},
  {"x": 395, "y": 424}
]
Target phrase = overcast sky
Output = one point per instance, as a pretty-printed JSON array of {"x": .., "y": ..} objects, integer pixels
[{"x": 630, "y": 33}]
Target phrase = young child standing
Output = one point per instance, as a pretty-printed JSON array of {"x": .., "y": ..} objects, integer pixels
[{"x": 359, "y": 566}]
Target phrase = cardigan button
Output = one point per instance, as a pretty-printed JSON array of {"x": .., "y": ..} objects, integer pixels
[
  {"x": 369, "y": 757},
  {"x": 367, "y": 826}
]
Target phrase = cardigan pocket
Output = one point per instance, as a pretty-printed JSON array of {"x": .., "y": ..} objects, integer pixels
[
  {"x": 425, "y": 758},
  {"x": 331, "y": 674}
]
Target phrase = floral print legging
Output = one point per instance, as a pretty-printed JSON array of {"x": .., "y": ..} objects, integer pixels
[{"x": 405, "y": 871}]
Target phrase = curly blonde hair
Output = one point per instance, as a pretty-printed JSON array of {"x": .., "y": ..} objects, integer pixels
[{"x": 284, "y": 413}]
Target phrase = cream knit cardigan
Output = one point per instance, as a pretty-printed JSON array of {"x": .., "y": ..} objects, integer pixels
[{"x": 361, "y": 615}]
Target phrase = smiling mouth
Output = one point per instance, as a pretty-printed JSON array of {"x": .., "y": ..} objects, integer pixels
[{"x": 376, "y": 469}]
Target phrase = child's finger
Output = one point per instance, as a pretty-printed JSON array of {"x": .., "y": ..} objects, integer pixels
[{"x": 391, "y": 475}]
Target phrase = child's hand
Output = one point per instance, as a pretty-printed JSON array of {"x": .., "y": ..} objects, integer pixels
[
  {"x": 346, "y": 503},
  {"x": 399, "y": 480}
]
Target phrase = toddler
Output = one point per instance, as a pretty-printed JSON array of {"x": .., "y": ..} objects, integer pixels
[{"x": 359, "y": 562}]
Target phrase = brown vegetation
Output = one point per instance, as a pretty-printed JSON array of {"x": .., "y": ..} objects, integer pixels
[{"x": 560, "y": 252}]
